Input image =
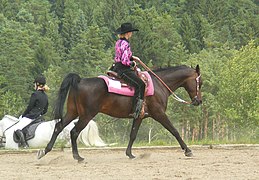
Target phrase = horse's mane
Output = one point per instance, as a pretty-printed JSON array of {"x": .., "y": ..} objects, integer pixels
[{"x": 173, "y": 68}]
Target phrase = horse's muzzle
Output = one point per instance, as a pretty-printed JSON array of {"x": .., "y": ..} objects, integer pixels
[{"x": 196, "y": 101}]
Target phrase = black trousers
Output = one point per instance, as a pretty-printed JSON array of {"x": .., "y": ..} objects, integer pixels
[{"x": 130, "y": 77}]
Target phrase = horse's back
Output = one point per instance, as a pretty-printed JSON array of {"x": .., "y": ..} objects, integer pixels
[
  {"x": 92, "y": 90},
  {"x": 42, "y": 134},
  {"x": 92, "y": 84},
  {"x": 45, "y": 128},
  {"x": 94, "y": 96}
]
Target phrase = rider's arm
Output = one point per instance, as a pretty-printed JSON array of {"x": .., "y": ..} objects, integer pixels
[
  {"x": 45, "y": 109},
  {"x": 30, "y": 105},
  {"x": 126, "y": 53}
]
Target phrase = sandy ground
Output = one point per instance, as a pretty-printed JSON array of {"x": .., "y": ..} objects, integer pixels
[{"x": 154, "y": 163}]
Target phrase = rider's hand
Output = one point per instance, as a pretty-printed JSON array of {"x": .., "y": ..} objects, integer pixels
[
  {"x": 136, "y": 58},
  {"x": 133, "y": 64}
]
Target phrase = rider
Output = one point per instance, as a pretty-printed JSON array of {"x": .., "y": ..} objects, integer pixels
[
  {"x": 38, "y": 105},
  {"x": 125, "y": 64}
]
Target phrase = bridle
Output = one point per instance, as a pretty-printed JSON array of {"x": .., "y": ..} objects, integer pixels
[
  {"x": 197, "y": 84},
  {"x": 197, "y": 79}
]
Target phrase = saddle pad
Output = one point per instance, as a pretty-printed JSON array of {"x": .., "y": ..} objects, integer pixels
[
  {"x": 114, "y": 86},
  {"x": 29, "y": 130}
]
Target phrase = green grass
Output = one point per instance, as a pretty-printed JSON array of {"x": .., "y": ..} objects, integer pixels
[{"x": 175, "y": 143}]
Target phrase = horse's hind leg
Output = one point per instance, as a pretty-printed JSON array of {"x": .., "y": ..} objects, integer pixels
[
  {"x": 163, "y": 119},
  {"x": 133, "y": 135},
  {"x": 58, "y": 128},
  {"x": 74, "y": 133}
]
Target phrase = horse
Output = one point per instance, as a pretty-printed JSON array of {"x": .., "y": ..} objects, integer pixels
[
  {"x": 89, "y": 135},
  {"x": 86, "y": 97}
]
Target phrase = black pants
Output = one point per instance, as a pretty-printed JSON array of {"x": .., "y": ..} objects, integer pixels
[{"x": 132, "y": 79}]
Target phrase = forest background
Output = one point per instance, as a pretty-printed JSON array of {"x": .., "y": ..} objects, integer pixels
[{"x": 55, "y": 37}]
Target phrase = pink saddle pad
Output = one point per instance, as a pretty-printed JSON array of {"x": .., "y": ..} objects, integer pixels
[{"x": 115, "y": 86}]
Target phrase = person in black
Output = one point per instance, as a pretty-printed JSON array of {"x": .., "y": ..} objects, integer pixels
[
  {"x": 124, "y": 64},
  {"x": 38, "y": 106}
]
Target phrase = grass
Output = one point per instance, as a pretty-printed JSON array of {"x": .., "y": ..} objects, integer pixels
[
  {"x": 175, "y": 143},
  {"x": 62, "y": 144}
]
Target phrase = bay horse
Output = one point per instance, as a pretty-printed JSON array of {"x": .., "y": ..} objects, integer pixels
[{"x": 89, "y": 96}]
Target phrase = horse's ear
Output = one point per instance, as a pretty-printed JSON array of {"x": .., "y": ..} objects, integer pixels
[{"x": 198, "y": 69}]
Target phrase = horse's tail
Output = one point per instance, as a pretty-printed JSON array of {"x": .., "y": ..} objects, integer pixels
[
  {"x": 89, "y": 136},
  {"x": 70, "y": 82}
]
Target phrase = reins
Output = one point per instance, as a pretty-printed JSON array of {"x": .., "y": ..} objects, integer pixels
[
  {"x": 174, "y": 95},
  {"x": 10, "y": 126},
  {"x": 2, "y": 137}
]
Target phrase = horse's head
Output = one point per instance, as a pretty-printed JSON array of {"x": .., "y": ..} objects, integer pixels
[{"x": 193, "y": 86}]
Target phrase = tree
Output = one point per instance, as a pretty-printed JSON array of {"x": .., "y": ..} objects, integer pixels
[
  {"x": 16, "y": 53},
  {"x": 239, "y": 90},
  {"x": 88, "y": 58},
  {"x": 157, "y": 40},
  {"x": 10, "y": 8},
  {"x": 45, "y": 55},
  {"x": 11, "y": 104}
]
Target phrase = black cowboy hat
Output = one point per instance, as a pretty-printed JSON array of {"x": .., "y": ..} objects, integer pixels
[
  {"x": 125, "y": 27},
  {"x": 41, "y": 80}
]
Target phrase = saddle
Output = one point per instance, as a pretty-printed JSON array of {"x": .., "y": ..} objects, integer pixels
[
  {"x": 115, "y": 75},
  {"x": 144, "y": 76},
  {"x": 29, "y": 130},
  {"x": 116, "y": 85}
]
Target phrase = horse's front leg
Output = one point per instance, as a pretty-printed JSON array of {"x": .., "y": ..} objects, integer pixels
[
  {"x": 133, "y": 135},
  {"x": 163, "y": 119},
  {"x": 58, "y": 128}
]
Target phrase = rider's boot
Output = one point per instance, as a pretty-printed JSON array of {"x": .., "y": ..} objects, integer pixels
[
  {"x": 23, "y": 142},
  {"x": 139, "y": 109}
]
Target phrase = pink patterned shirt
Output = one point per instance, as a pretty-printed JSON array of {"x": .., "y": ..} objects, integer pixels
[{"x": 123, "y": 52}]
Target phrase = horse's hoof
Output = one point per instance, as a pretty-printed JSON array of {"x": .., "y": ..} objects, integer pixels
[
  {"x": 188, "y": 153},
  {"x": 40, "y": 153},
  {"x": 131, "y": 156},
  {"x": 78, "y": 158}
]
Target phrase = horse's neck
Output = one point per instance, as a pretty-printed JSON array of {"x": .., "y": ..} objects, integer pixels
[
  {"x": 7, "y": 122},
  {"x": 175, "y": 79}
]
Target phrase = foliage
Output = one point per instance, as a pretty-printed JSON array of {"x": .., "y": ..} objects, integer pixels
[
  {"x": 243, "y": 91},
  {"x": 57, "y": 37},
  {"x": 11, "y": 104}
]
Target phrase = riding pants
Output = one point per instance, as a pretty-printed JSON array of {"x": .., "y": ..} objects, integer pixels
[
  {"x": 132, "y": 79},
  {"x": 23, "y": 121}
]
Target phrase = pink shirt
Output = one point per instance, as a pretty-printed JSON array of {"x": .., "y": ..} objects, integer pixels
[{"x": 123, "y": 52}]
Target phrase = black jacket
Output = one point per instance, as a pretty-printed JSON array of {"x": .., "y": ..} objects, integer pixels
[{"x": 38, "y": 105}]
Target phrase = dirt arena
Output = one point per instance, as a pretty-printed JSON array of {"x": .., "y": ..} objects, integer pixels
[{"x": 152, "y": 163}]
